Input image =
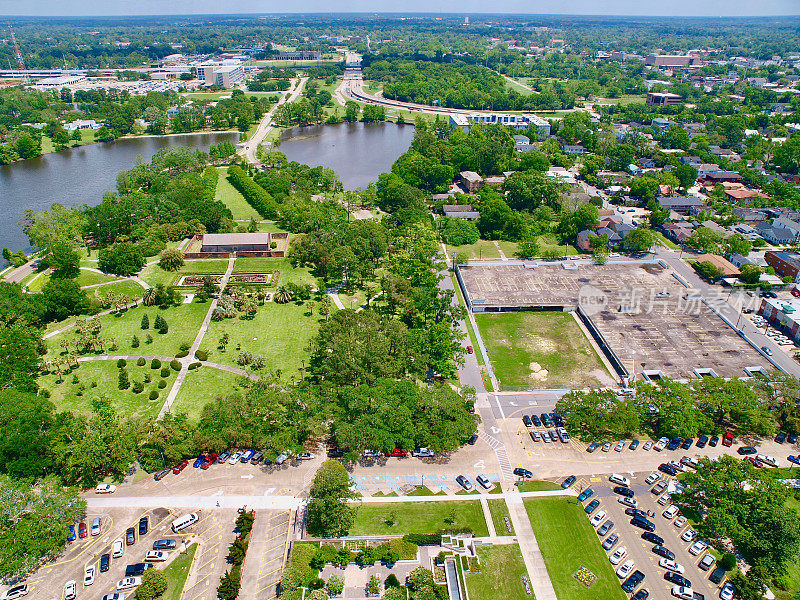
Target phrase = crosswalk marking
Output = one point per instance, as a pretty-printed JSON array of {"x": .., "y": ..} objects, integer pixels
[{"x": 500, "y": 451}]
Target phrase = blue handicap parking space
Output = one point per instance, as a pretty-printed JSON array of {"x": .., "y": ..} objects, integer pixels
[
  {"x": 392, "y": 483},
  {"x": 413, "y": 479},
  {"x": 493, "y": 477},
  {"x": 358, "y": 485}
]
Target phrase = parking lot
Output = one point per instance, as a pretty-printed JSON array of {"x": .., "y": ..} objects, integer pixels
[
  {"x": 48, "y": 583},
  {"x": 640, "y": 550}
]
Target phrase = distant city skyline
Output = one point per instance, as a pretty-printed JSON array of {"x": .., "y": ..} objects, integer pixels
[{"x": 704, "y": 8}]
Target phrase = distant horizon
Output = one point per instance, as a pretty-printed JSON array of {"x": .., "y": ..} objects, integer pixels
[{"x": 588, "y": 8}]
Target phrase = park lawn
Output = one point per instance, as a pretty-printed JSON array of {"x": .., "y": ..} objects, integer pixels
[
  {"x": 664, "y": 241},
  {"x": 538, "y": 486},
  {"x": 508, "y": 248},
  {"x": 177, "y": 572},
  {"x": 567, "y": 542},
  {"x": 549, "y": 242},
  {"x": 499, "y": 509},
  {"x": 201, "y": 386},
  {"x": 288, "y": 273},
  {"x": 518, "y": 341},
  {"x": 500, "y": 577},
  {"x": 129, "y": 288},
  {"x": 281, "y": 333},
  {"x": 482, "y": 249},
  {"x": 86, "y": 277},
  {"x": 106, "y": 374},
  {"x": 514, "y": 85},
  {"x": 270, "y": 227},
  {"x": 183, "y": 322},
  {"x": 230, "y": 196},
  {"x": 153, "y": 274},
  {"x": 419, "y": 517}
]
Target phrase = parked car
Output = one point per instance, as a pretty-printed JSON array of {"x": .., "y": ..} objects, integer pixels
[
  {"x": 312, "y": 456},
  {"x": 625, "y": 569},
  {"x": 18, "y": 591},
  {"x": 368, "y": 453},
  {"x": 137, "y": 569},
  {"x": 683, "y": 592},
  {"x": 727, "y": 439},
  {"x": 698, "y": 548},
  {"x": 605, "y": 527},
  {"x": 210, "y": 460},
  {"x": 235, "y": 458},
  {"x": 606, "y": 447},
  {"x": 689, "y": 535},
  {"x": 144, "y": 525},
  {"x": 671, "y": 512},
  {"x": 634, "y": 445},
  {"x": 161, "y": 474},
  {"x": 659, "y": 487},
  {"x": 635, "y": 512},
  {"x": 628, "y": 501},
  {"x": 114, "y": 596},
  {"x": 687, "y": 443},
  {"x": 118, "y": 548},
  {"x": 713, "y": 441},
  {"x": 766, "y": 350},
  {"x": 781, "y": 437},
  {"x": 156, "y": 556},
  {"x": 72, "y": 536},
  {"x": 652, "y": 478},
  {"x": 717, "y": 575},
  {"x": 727, "y": 592},
  {"x": 746, "y": 450},
  {"x": 70, "y": 590},
  {"x": 633, "y": 581},
  {"x": 165, "y": 545},
  {"x": 536, "y": 420},
  {"x": 180, "y": 467},
  {"x": 130, "y": 536},
  {"x": 592, "y": 447},
  {"x": 794, "y": 459},
  {"x": 257, "y": 458},
  {"x": 643, "y": 523},
  {"x": 95, "y": 526},
  {"x": 88, "y": 575},
  {"x": 619, "y": 447},
  {"x": 702, "y": 441},
  {"x": 590, "y": 508},
  {"x": 105, "y": 488},
  {"x": 642, "y": 594},
  {"x": 610, "y": 541},
  {"x": 525, "y": 473},
  {"x": 247, "y": 455},
  {"x": 661, "y": 444},
  {"x": 668, "y": 469},
  {"x": 201, "y": 458},
  {"x": 587, "y": 493},
  {"x": 618, "y": 555},
  {"x": 707, "y": 562},
  {"x": 792, "y": 439},
  {"x": 674, "y": 443},
  {"x": 82, "y": 530},
  {"x": 223, "y": 458},
  {"x": 652, "y": 537},
  {"x": 619, "y": 479},
  {"x": 664, "y": 499},
  {"x": 483, "y": 481},
  {"x": 623, "y": 491},
  {"x": 470, "y": 350},
  {"x": 679, "y": 522},
  {"x": 464, "y": 482},
  {"x": 473, "y": 439},
  {"x": 598, "y": 518},
  {"x": 568, "y": 482},
  {"x": 129, "y": 583},
  {"x": 671, "y": 565},
  {"x": 423, "y": 452},
  {"x": 526, "y": 420},
  {"x": 536, "y": 436},
  {"x": 663, "y": 552},
  {"x": 767, "y": 459},
  {"x": 688, "y": 461},
  {"x": 647, "y": 445}
]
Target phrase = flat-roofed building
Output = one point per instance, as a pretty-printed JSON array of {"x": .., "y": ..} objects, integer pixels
[
  {"x": 663, "y": 99},
  {"x": 236, "y": 242}
]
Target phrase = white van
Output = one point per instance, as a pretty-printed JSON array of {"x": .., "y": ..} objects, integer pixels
[
  {"x": 185, "y": 521},
  {"x": 770, "y": 460},
  {"x": 619, "y": 480}
]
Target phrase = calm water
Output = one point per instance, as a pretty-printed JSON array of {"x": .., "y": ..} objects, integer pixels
[
  {"x": 77, "y": 176},
  {"x": 358, "y": 152}
]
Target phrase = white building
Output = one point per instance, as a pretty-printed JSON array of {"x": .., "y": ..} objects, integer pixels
[
  {"x": 522, "y": 121},
  {"x": 223, "y": 75}
]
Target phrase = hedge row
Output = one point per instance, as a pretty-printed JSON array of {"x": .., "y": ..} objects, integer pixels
[
  {"x": 210, "y": 178},
  {"x": 256, "y": 196},
  {"x": 231, "y": 581}
]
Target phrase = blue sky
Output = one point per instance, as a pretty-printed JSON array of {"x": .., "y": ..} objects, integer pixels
[{"x": 601, "y": 7}]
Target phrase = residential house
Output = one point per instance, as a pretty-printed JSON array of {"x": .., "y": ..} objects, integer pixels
[
  {"x": 749, "y": 215},
  {"x": 716, "y": 228},
  {"x": 746, "y": 231},
  {"x": 775, "y": 235},
  {"x": 662, "y": 123},
  {"x": 573, "y": 149},
  {"x": 471, "y": 181},
  {"x": 647, "y": 163},
  {"x": 739, "y": 194},
  {"x": 583, "y": 241},
  {"x": 461, "y": 211},
  {"x": 680, "y": 204},
  {"x": 728, "y": 269},
  {"x": 613, "y": 237},
  {"x": 792, "y": 227},
  {"x": 678, "y": 231},
  {"x": 495, "y": 180},
  {"x": 703, "y": 169},
  {"x": 522, "y": 143},
  {"x": 720, "y": 176}
]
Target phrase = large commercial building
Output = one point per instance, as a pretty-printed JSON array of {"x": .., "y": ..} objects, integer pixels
[
  {"x": 786, "y": 264},
  {"x": 522, "y": 121},
  {"x": 663, "y": 99},
  {"x": 298, "y": 55},
  {"x": 223, "y": 75},
  {"x": 671, "y": 61},
  {"x": 783, "y": 314}
]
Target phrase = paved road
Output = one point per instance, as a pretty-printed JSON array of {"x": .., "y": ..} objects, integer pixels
[
  {"x": 265, "y": 126},
  {"x": 263, "y": 566}
]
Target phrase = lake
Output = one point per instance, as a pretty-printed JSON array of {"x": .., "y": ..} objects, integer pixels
[
  {"x": 78, "y": 176},
  {"x": 358, "y": 152}
]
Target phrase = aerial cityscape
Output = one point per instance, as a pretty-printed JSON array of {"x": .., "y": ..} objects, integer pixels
[{"x": 399, "y": 305}]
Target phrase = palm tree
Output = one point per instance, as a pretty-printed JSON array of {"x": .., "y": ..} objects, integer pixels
[
  {"x": 283, "y": 295},
  {"x": 149, "y": 297}
]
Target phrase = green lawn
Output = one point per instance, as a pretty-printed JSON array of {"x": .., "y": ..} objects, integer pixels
[
  {"x": 127, "y": 287},
  {"x": 177, "y": 572},
  {"x": 419, "y": 517},
  {"x": 155, "y": 274},
  {"x": 183, "y": 320},
  {"x": 550, "y": 243},
  {"x": 518, "y": 342},
  {"x": 567, "y": 542},
  {"x": 482, "y": 249},
  {"x": 500, "y": 577},
  {"x": 538, "y": 486},
  {"x": 106, "y": 374},
  {"x": 87, "y": 137},
  {"x": 499, "y": 509},
  {"x": 514, "y": 85},
  {"x": 201, "y": 386},
  {"x": 231, "y": 197}
]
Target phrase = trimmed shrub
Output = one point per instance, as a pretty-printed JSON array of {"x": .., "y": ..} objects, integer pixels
[
  {"x": 141, "y": 361},
  {"x": 153, "y": 395},
  {"x": 175, "y": 364},
  {"x": 201, "y": 355},
  {"x": 121, "y": 363},
  {"x": 124, "y": 382},
  {"x": 182, "y": 353},
  {"x": 155, "y": 364},
  {"x": 256, "y": 196},
  {"x": 138, "y": 387},
  {"x": 165, "y": 371},
  {"x": 147, "y": 378},
  {"x": 194, "y": 365},
  {"x": 162, "y": 384}
]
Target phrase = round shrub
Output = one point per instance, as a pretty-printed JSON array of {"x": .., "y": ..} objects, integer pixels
[
  {"x": 153, "y": 395},
  {"x": 194, "y": 365},
  {"x": 175, "y": 364},
  {"x": 155, "y": 364},
  {"x": 121, "y": 363},
  {"x": 165, "y": 371},
  {"x": 182, "y": 353},
  {"x": 201, "y": 355},
  {"x": 162, "y": 384},
  {"x": 141, "y": 362},
  {"x": 138, "y": 387}
]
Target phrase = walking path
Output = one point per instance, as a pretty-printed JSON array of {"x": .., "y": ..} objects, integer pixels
[
  {"x": 500, "y": 250},
  {"x": 333, "y": 293},
  {"x": 264, "y": 127},
  {"x": 487, "y": 515},
  {"x": 69, "y": 326}
]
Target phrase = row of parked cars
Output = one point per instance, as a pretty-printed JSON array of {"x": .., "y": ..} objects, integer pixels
[
  {"x": 253, "y": 457},
  {"x": 665, "y": 443}
]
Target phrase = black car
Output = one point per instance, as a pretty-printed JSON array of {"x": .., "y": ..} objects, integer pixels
[
  {"x": 792, "y": 439},
  {"x": 105, "y": 562},
  {"x": 631, "y": 582},
  {"x": 536, "y": 420},
  {"x": 623, "y": 491},
  {"x": 464, "y": 482},
  {"x": 546, "y": 420},
  {"x": 652, "y": 537},
  {"x": 668, "y": 469},
  {"x": 687, "y": 443},
  {"x": 144, "y": 525},
  {"x": 520, "y": 472},
  {"x": 677, "y": 579},
  {"x": 165, "y": 545},
  {"x": 130, "y": 536},
  {"x": 605, "y": 528},
  {"x": 339, "y": 452},
  {"x": 526, "y": 420},
  {"x": 642, "y": 594},
  {"x": 137, "y": 569},
  {"x": 643, "y": 523},
  {"x": 702, "y": 441},
  {"x": 713, "y": 441},
  {"x": 568, "y": 481},
  {"x": 473, "y": 439},
  {"x": 746, "y": 450},
  {"x": 674, "y": 443},
  {"x": 781, "y": 437},
  {"x": 635, "y": 512},
  {"x": 592, "y": 447},
  {"x": 662, "y": 551}
]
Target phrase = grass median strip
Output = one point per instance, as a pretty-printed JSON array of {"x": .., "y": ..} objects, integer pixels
[
  {"x": 419, "y": 517},
  {"x": 500, "y": 576},
  {"x": 177, "y": 572}
]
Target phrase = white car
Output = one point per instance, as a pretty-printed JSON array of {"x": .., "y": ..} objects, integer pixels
[
  {"x": 88, "y": 575},
  {"x": 234, "y": 458},
  {"x": 156, "y": 556},
  {"x": 70, "y": 590},
  {"x": 727, "y": 591},
  {"x": 606, "y": 447},
  {"x": 618, "y": 555},
  {"x": 671, "y": 565},
  {"x": 625, "y": 569},
  {"x": 661, "y": 444},
  {"x": 684, "y": 593},
  {"x": 648, "y": 444},
  {"x": 671, "y": 512},
  {"x": 105, "y": 488},
  {"x": 118, "y": 548},
  {"x": 423, "y": 452},
  {"x": 679, "y": 466},
  {"x": 129, "y": 583},
  {"x": 689, "y": 535},
  {"x": 767, "y": 459},
  {"x": 679, "y": 522},
  {"x": 619, "y": 447},
  {"x": 664, "y": 499},
  {"x": 306, "y": 456},
  {"x": 652, "y": 478},
  {"x": 598, "y": 518},
  {"x": 18, "y": 591},
  {"x": 697, "y": 548},
  {"x": 632, "y": 503}
]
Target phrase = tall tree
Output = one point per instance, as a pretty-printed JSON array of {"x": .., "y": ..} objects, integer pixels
[{"x": 329, "y": 512}]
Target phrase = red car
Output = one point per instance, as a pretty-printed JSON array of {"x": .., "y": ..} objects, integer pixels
[
  {"x": 727, "y": 439},
  {"x": 754, "y": 461},
  {"x": 210, "y": 460},
  {"x": 398, "y": 453},
  {"x": 180, "y": 466},
  {"x": 796, "y": 293},
  {"x": 82, "y": 531},
  {"x": 470, "y": 350}
]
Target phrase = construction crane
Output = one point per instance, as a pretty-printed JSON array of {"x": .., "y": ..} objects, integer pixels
[{"x": 18, "y": 55}]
